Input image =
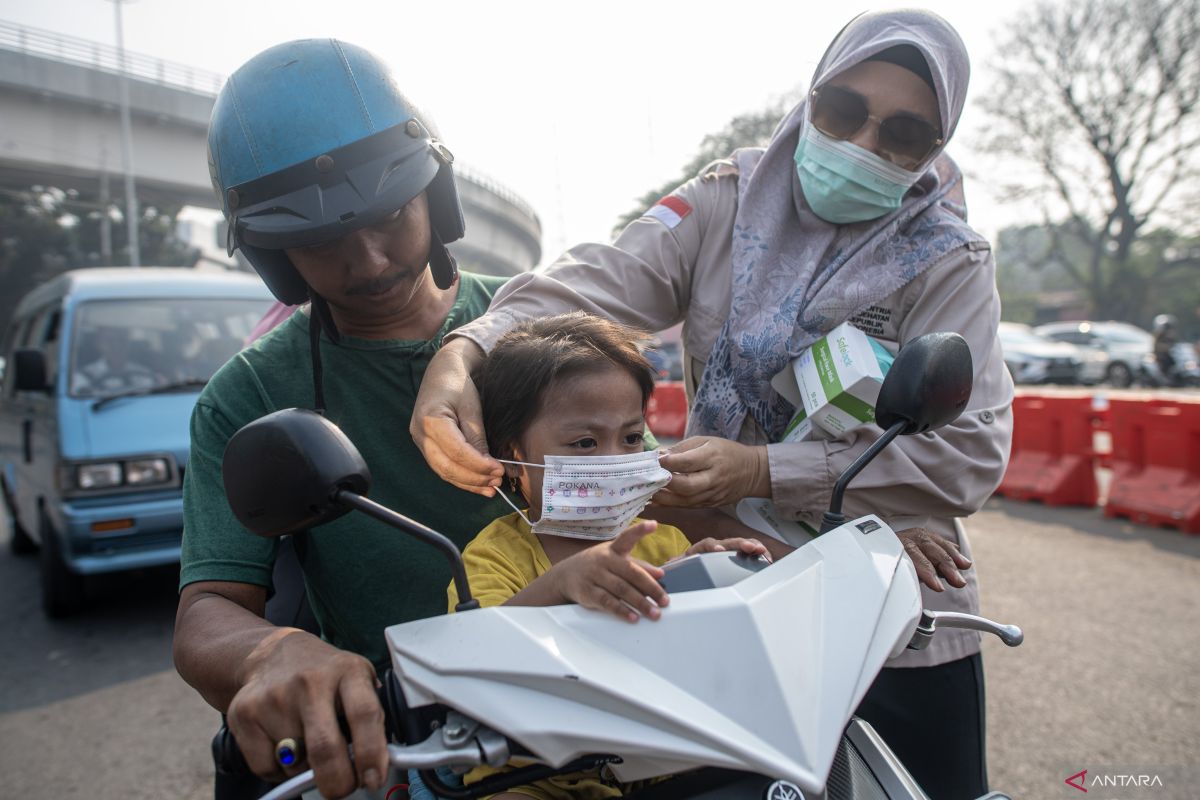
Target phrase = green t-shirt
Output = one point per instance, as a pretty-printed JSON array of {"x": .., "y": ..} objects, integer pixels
[{"x": 361, "y": 574}]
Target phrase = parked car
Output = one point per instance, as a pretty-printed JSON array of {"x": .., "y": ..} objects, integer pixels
[
  {"x": 1035, "y": 359},
  {"x": 1125, "y": 346},
  {"x": 103, "y": 369}
]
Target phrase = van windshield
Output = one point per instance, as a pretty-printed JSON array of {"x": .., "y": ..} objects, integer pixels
[{"x": 122, "y": 346}]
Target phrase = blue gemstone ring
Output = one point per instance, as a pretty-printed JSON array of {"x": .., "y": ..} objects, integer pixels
[{"x": 289, "y": 752}]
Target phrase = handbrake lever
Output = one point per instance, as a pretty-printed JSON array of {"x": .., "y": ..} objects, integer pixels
[
  {"x": 461, "y": 742},
  {"x": 1011, "y": 635}
]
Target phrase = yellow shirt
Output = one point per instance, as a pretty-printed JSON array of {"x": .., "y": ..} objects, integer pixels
[{"x": 506, "y": 557}]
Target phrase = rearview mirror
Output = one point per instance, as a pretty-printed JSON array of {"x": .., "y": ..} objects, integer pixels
[
  {"x": 282, "y": 472},
  {"x": 928, "y": 385},
  {"x": 294, "y": 469},
  {"x": 29, "y": 370}
]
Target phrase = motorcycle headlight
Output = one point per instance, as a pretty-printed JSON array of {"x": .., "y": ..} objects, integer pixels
[
  {"x": 147, "y": 471},
  {"x": 98, "y": 476}
]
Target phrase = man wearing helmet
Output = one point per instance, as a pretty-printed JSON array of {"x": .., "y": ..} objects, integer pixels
[
  {"x": 1165, "y": 339},
  {"x": 339, "y": 193}
]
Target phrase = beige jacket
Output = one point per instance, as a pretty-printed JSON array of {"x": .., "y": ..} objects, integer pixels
[{"x": 653, "y": 277}]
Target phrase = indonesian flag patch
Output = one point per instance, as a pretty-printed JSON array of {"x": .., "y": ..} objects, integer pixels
[{"x": 670, "y": 211}]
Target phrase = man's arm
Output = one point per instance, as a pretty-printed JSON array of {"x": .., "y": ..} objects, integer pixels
[
  {"x": 275, "y": 682},
  {"x": 218, "y": 624}
]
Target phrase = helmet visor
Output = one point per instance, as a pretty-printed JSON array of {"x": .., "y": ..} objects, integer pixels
[{"x": 336, "y": 193}]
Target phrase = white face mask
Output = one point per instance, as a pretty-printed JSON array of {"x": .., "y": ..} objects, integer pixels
[{"x": 594, "y": 497}]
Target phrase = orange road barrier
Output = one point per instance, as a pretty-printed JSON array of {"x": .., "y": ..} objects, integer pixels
[
  {"x": 1052, "y": 457},
  {"x": 666, "y": 413},
  {"x": 1155, "y": 463}
]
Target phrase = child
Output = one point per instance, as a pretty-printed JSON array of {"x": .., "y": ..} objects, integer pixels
[{"x": 574, "y": 386}]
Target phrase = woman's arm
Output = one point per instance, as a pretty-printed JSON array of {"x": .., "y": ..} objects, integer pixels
[
  {"x": 942, "y": 473},
  {"x": 643, "y": 279}
]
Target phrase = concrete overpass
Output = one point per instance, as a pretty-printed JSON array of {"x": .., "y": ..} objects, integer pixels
[{"x": 60, "y": 126}]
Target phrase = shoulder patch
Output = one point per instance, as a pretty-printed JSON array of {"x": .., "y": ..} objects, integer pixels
[
  {"x": 719, "y": 169},
  {"x": 670, "y": 211}
]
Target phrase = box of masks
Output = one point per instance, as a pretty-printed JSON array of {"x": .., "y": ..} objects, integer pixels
[
  {"x": 836, "y": 381},
  {"x": 801, "y": 428}
]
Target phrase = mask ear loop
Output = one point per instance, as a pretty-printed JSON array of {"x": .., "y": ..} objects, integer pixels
[{"x": 504, "y": 496}]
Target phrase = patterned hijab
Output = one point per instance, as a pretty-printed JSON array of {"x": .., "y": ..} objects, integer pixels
[{"x": 795, "y": 276}]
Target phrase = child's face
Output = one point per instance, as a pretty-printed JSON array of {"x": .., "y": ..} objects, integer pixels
[{"x": 592, "y": 414}]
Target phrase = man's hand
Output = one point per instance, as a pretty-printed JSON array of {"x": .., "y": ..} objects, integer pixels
[
  {"x": 750, "y": 547},
  {"x": 606, "y": 577},
  {"x": 447, "y": 420},
  {"x": 711, "y": 472},
  {"x": 932, "y": 554},
  {"x": 295, "y": 686}
]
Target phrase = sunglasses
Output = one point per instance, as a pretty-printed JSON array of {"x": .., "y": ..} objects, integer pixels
[{"x": 904, "y": 140}]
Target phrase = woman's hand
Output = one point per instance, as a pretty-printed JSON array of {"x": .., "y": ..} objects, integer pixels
[
  {"x": 750, "y": 547},
  {"x": 932, "y": 554},
  {"x": 606, "y": 577},
  {"x": 710, "y": 472},
  {"x": 295, "y": 688},
  {"x": 447, "y": 420}
]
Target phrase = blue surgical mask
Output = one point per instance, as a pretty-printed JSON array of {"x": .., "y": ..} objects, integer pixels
[{"x": 844, "y": 183}]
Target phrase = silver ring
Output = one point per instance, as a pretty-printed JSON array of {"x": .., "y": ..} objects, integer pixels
[{"x": 289, "y": 752}]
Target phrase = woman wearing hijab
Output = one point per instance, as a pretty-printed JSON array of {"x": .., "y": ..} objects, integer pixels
[{"x": 853, "y": 212}]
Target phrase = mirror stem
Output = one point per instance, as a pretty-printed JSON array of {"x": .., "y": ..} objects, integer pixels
[
  {"x": 834, "y": 516},
  {"x": 416, "y": 529}
]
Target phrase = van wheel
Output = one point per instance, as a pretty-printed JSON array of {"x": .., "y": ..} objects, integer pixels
[
  {"x": 20, "y": 543},
  {"x": 62, "y": 589}
]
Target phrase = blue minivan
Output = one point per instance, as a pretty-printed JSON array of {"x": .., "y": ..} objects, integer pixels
[{"x": 102, "y": 369}]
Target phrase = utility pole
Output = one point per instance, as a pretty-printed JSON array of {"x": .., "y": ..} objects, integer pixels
[
  {"x": 105, "y": 220},
  {"x": 131, "y": 203}
]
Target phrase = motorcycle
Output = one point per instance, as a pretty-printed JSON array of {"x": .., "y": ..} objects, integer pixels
[
  {"x": 1184, "y": 372},
  {"x": 565, "y": 688}
]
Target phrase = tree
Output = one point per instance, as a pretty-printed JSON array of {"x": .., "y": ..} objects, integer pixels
[
  {"x": 746, "y": 130},
  {"x": 1036, "y": 286},
  {"x": 45, "y": 230},
  {"x": 1095, "y": 116}
]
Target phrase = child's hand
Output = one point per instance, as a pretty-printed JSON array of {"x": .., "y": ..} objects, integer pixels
[
  {"x": 750, "y": 547},
  {"x": 606, "y": 577}
]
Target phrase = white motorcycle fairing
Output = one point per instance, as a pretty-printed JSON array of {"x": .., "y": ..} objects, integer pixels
[{"x": 760, "y": 676}]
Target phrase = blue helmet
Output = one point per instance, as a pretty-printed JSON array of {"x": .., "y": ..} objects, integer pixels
[{"x": 310, "y": 140}]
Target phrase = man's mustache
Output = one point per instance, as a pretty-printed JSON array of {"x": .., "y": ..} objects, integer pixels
[{"x": 377, "y": 285}]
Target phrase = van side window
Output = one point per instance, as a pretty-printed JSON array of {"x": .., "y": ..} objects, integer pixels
[
  {"x": 19, "y": 336},
  {"x": 10, "y": 344},
  {"x": 49, "y": 343},
  {"x": 23, "y": 331},
  {"x": 41, "y": 333}
]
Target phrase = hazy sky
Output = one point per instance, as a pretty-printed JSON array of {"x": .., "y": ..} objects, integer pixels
[{"x": 578, "y": 108}]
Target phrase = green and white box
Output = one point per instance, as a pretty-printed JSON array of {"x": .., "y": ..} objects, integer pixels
[
  {"x": 837, "y": 380},
  {"x": 801, "y": 428}
]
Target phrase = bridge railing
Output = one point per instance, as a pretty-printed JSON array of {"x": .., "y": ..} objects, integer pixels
[
  {"x": 107, "y": 58},
  {"x": 500, "y": 190}
]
